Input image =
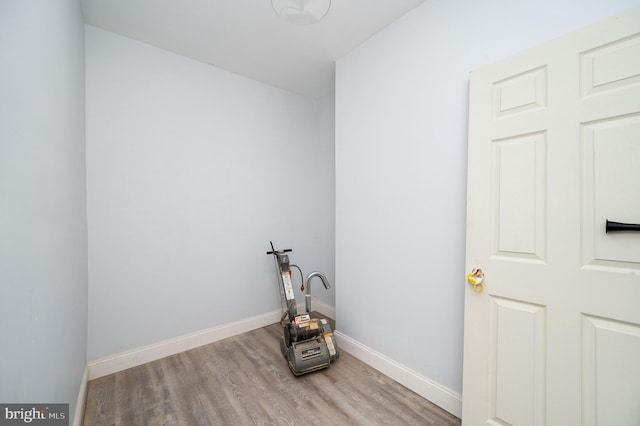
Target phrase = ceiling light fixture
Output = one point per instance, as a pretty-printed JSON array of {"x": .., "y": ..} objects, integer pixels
[{"x": 301, "y": 12}]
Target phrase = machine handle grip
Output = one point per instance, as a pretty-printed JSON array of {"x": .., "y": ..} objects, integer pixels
[
  {"x": 279, "y": 251},
  {"x": 273, "y": 250},
  {"x": 617, "y": 226}
]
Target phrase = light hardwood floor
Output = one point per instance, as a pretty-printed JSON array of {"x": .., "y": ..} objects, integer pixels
[{"x": 244, "y": 380}]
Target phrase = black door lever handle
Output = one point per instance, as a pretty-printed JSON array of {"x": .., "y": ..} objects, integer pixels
[{"x": 617, "y": 226}]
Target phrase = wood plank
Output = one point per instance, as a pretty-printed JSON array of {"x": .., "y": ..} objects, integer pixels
[{"x": 245, "y": 380}]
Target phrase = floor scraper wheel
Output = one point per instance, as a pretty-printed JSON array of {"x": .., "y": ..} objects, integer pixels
[{"x": 287, "y": 335}]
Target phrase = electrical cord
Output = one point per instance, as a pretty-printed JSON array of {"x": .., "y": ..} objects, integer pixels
[{"x": 301, "y": 276}]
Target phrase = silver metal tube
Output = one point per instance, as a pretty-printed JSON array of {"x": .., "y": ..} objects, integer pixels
[{"x": 307, "y": 287}]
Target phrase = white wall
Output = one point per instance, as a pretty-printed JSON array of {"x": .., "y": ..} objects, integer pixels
[
  {"x": 401, "y": 135},
  {"x": 191, "y": 171},
  {"x": 324, "y": 197},
  {"x": 43, "y": 234}
]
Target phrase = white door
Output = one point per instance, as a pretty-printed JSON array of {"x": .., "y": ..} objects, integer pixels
[{"x": 554, "y": 151}]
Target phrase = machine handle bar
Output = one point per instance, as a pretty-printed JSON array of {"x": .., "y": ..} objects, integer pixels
[
  {"x": 279, "y": 251},
  {"x": 274, "y": 251}
]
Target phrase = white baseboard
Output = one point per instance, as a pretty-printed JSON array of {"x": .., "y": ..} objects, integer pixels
[
  {"x": 132, "y": 358},
  {"x": 423, "y": 386},
  {"x": 82, "y": 398}
]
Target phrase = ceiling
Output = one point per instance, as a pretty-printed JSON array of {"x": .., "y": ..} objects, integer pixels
[{"x": 246, "y": 37}]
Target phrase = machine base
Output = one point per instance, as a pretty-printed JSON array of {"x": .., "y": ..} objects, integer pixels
[
  {"x": 307, "y": 356},
  {"x": 316, "y": 350}
]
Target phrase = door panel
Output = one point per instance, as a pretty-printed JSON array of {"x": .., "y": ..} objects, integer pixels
[
  {"x": 611, "y": 189},
  {"x": 611, "y": 374},
  {"x": 611, "y": 66},
  {"x": 554, "y": 151},
  {"x": 522, "y": 92},
  {"x": 517, "y": 359},
  {"x": 519, "y": 197}
]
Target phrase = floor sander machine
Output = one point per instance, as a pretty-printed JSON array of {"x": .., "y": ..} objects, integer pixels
[{"x": 308, "y": 343}]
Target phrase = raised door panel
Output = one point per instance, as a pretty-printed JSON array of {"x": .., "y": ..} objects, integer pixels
[
  {"x": 519, "y": 197},
  {"x": 517, "y": 363},
  {"x": 611, "y": 190},
  {"x": 611, "y": 372}
]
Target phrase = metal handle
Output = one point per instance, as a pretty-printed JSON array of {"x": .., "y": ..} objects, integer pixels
[
  {"x": 617, "y": 226},
  {"x": 475, "y": 278}
]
